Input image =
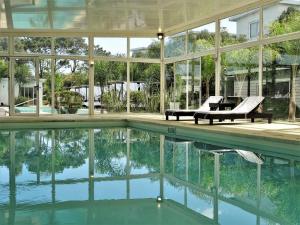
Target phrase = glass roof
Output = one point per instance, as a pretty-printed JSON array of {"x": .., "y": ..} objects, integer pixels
[{"x": 110, "y": 16}]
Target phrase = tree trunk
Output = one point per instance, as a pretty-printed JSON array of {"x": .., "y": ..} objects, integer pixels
[
  {"x": 193, "y": 84},
  {"x": 273, "y": 77},
  {"x": 292, "y": 103},
  {"x": 207, "y": 88},
  {"x": 249, "y": 84}
]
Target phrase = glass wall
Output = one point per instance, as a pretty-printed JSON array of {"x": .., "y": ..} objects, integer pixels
[
  {"x": 175, "y": 45},
  {"x": 281, "y": 19},
  {"x": 71, "y": 46},
  {"x": 25, "y": 85},
  {"x": 144, "y": 87},
  {"x": 201, "y": 38},
  {"x": 281, "y": 79},
  {"x": 240, "y": 28},
  {"x": 110, "y": 90},
  {"x": 190, "y": 57},
  {"x": 71, "y": 86},
  {"x": 45, "y": 87},
  {"x": 3, "y": 44},
  {"x": 169, "y": 86},
  {"x": 239, "y": 77},
  {"x": 194, "y": 84},
  {"x": 4, "y": 86},
  {"x": 207, "y": 77},
  {"x": 144, "y": 48},
  {"x": 32, "y": 45},
  {"x": 181, "y": 85},
  {"x": 116, "y": 47}
]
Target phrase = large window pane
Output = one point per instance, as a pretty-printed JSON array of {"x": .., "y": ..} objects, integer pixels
[
  {"x": 3, "y": 44},
  {"x": 144, "y": 87},
  {"x": 72, "y": 18},
  {"x": 116, "y": 47},
  {"x": 24, "y": 86},
  {"x": 207, "y": 77},
  {"x": 110, "y": 91},
  {"x": 144, "y": 48},
  {"x": 4, "y": 87},
  {"x": 281, "y": 79},
  {"x": 239, "y": 77},
  {"x": 71, "y": 46},
  {"x": 70, "y": 77},
  {"x": 202, "y": 38},
  {"x": 281, "y": 18},
  {"x": 240, "y": 28},
  {"x": 30, "y": 20},
  {"x": 169, "y": 86},
  {"x": 45, "y": 90},
  {"x": 180, "y": 84},
  {"x": 194, "y": 84},
  {"x": 31, "y": 45},
  {"x": 175, "y": 45}
]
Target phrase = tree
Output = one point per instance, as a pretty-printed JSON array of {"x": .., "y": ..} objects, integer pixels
[
  {"x": 208, "y": 71},
  {"x": 71, "y": 46},
  {"x": 289, "y": 21},
  {"x": 239, "y": 61},
  {"x": 3, "y": 68}
]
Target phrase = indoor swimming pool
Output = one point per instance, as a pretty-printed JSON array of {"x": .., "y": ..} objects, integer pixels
[{"x": 125, "y": 175}]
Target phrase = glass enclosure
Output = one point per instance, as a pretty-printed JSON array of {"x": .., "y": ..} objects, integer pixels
[
  {"x": 53, "y": 74},
  {"x": 144, "y": 87},
  {"x": 110, "y": 86},
  {"x": 239, "y": 77}
]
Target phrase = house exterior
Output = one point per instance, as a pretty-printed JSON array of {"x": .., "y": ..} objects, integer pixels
[
  {"x": 247, "y": 24},
  {"x": 25, "y": 90}
]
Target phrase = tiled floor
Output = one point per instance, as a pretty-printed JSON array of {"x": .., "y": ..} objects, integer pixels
[{"x": 280, "y": 130}]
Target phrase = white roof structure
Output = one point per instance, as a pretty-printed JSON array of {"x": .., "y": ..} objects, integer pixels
[{"x": 112, "y": 17}]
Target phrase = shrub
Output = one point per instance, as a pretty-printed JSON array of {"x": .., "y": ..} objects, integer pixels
[{"x": 68, "y": 101}]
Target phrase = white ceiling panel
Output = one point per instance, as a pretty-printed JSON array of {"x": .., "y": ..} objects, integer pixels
[{"x": 119, "y": 17}]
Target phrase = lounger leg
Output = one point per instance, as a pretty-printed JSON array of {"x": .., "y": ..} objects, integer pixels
[
  {"x": 252, "y": 120},
  {"x": 177, "y": 117},
  {"x": 167, "y": 117},
  {"x": 269, "y": 120},
  {"x": 211, "y": 121},
  {"x": 196, "y": 120}
]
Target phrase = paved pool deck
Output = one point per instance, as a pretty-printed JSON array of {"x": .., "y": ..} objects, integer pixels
[{"x": 278, "y": 129}]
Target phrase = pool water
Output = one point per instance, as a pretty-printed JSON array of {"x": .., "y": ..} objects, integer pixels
[{"x": 117, "y": 175}]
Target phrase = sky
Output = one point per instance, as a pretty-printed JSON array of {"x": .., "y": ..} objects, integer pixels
[{"x": 118, "y": 45}]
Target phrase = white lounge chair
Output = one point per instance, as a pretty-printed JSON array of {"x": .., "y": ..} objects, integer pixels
[{"x": 185, "y": 112}]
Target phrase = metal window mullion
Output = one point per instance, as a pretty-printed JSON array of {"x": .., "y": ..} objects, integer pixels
[
  {"x": 162, "y": 77},
  {"x": 128, "y": 75},
  {"x": 218, "y": 58},
  {"x": 260, "y": 52},
  {"x": 200, "y": 85},
  {"x": 91, "y": 75},
  {"x": 37, "y": 90},
  {"x": 11, "y": 75},
  {"x": 53, "y": 74},
  {"x": 187, "y": 85}
]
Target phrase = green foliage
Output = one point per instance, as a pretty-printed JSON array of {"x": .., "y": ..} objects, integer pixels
[
  {"x": 3, "y": 69},
  {"x": 68, "y": 101},
  {"x": 21, "y": 99},
  {"x": 137, "y": 99},
  {"x": 112, "y": 102},
  {"x": 23, "y": 73},
  {"x": 278, "y": 106}
]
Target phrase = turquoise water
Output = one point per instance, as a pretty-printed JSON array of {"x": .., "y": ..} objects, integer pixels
[{"x": 114, "y": 176}]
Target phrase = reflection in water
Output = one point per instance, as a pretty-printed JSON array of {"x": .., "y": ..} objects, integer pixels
[{"x": 114, "y": 176}]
